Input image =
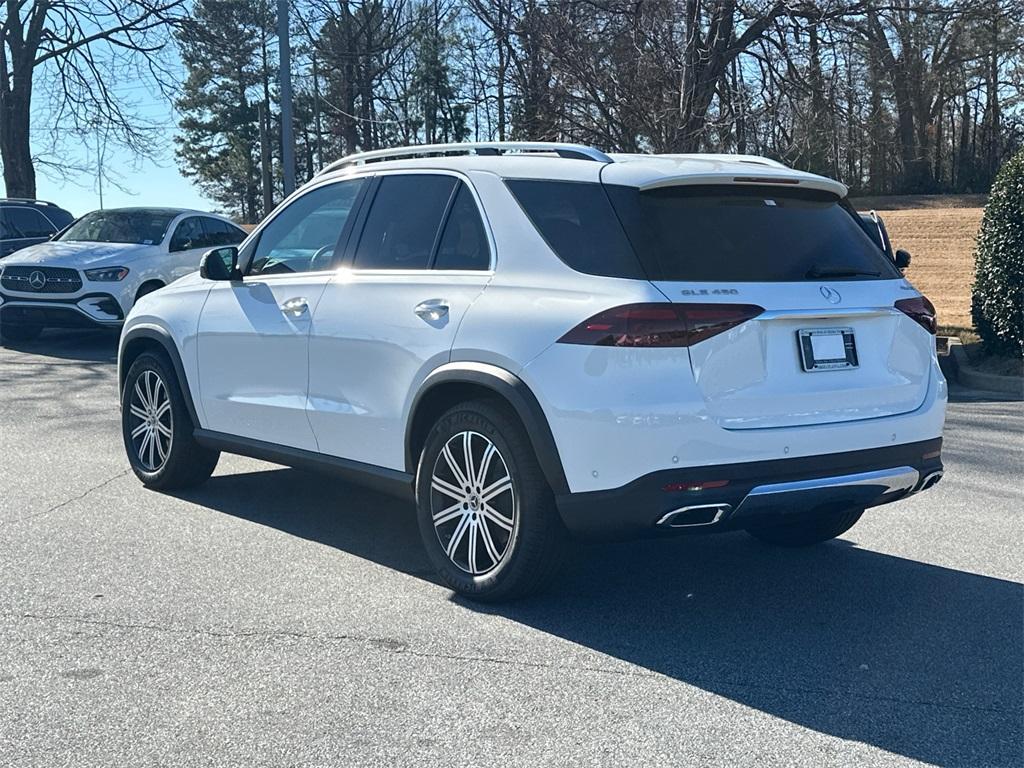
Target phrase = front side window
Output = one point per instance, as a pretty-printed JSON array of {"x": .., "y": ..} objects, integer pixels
[
  {"x": 403, "y": 222},
  {"x": 26, "y": 223},
  {"x": 305, "y": 235},
  {"x": 140, "y": 226},
  {"x": 464, "y": 242}
]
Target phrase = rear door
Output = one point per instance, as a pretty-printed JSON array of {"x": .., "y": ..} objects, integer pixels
[
  {"x": 390, "y": 317},
  {"x": 830, "y": 344}
]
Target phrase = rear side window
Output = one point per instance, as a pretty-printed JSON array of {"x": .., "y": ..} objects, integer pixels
[
  {"x": 746, "y": 234},
  {"x": 404, "y": 221},
  {"x": 579, "y": 224},
  {"x": 464, "y": 242},
  {"x": 219, "y": 233}
]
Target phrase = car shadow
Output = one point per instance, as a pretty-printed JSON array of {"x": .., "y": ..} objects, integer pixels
[
  {"x": 88, "y": 346},
  {"x": 912, "y": 658}
]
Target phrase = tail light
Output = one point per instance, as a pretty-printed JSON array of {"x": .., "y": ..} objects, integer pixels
[
  {"x": 659, "y": 325},
  {"x": 921, "y": 311}
]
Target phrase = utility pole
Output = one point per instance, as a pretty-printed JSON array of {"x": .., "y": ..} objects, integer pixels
[
  {"x": 285, "y": 70},
  {"x": 265, "y": 169},
  {"x": 99, "y": 165},
  {"x": 316, "y": 115}
]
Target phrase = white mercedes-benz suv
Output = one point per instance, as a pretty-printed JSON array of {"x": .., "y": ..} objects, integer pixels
[
  {"x": 94, "y": 270},
  {"x": 531, "y": 340}
]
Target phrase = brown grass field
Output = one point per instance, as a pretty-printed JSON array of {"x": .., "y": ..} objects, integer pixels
[{"x": 939, "y": 233}]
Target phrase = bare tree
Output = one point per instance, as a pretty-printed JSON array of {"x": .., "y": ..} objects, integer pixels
[{"x": 75, "y": 54}]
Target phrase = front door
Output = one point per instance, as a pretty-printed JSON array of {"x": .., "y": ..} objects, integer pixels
[
  {"x": 390, "y": 319},
  {"x": 253, "y": 343}
]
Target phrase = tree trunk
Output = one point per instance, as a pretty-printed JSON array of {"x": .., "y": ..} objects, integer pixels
[{"x": 15, "y": 147}]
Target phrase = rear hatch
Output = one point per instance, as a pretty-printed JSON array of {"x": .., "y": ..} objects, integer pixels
[{"x": 830, "y": 344}]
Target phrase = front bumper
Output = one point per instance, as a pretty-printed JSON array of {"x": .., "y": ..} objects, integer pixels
[
  {"x": 754, "y": 493},
  {"x": 91, "y": 310}
]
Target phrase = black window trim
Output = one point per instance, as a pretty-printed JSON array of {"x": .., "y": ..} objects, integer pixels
[
  {"x": 349, "y": 258},
  {"x": 247, "y": 248}
]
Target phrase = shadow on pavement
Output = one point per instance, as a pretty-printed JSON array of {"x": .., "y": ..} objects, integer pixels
[
  {"x": 98, "y": 346},
  {"x": 912, "y": 658}
]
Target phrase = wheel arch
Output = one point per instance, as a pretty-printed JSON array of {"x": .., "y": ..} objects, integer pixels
[
  {"x": 457, "y": 382},
  {"x": 157, "y": 283},
  {"x": 142, "y": 339}
]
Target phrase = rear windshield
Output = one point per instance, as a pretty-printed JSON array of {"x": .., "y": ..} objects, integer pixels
[
  {"x": 702, "y": 233},
  {"x": 140, "y": 226},
  {"x": 747, "y": 234}
]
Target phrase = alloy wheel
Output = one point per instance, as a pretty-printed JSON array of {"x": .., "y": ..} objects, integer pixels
[
  {"x": 473, "y": 503},
  {"x": 150, "y": 421}
]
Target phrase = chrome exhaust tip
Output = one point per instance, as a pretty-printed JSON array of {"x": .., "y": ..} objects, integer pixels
[
  {"x": 928, "y": 481},
  {"x": 691, "y": 517}
]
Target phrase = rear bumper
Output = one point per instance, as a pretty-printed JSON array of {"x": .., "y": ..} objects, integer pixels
[
  {"x": 754, "y": 493},
  {"x": 92, "y": 310}
]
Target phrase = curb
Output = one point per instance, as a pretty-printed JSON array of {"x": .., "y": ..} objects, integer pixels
[{"x": 960, "y": 368}]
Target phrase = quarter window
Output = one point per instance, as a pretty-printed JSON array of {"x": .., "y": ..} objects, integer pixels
[
  {"x": 402, "y": 226},
  {"x": 305, "y": 235},
  {"x": 464, "y": 242}
]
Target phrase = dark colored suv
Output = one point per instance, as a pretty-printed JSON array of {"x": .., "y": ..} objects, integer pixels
[{"x": 27, "y": 222}]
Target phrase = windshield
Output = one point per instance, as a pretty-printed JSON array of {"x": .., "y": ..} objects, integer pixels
[
  {"x": 141, "y": 227},
  {"x": 747, "y": 234}
]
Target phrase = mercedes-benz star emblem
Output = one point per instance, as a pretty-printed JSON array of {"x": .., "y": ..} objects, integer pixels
[
  {"x": 37, "y": 281},
  {"x": 831, "y": 294}
]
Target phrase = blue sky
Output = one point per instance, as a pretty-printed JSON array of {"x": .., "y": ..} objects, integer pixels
[{"x": 143, "y": 182}]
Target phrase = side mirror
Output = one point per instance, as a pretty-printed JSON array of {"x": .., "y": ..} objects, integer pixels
[
  {"x": 902, "y": 259},
  {"x": 220, "y": 264}
]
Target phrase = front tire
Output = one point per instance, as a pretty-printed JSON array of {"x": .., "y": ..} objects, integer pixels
[
  {"x": 157, "y": 428},
  {"x": 19, "y": 333},
  {"x": 804, "y": 533},
  {"x": 486, "y": 514}
]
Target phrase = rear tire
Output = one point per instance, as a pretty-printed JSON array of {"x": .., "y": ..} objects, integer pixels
[
  {"x": 18, "y": 333},
  {"x": 157, "y": 428},
  {"x": 489, "y": 524},
  {"x": 804, "y": 533}
]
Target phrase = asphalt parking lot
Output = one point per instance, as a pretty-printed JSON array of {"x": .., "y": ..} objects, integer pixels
[{"x": 273, "y": 617}]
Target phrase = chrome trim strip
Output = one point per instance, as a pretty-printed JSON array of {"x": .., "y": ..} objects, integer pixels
[
  {"x": 929, "y": 481},
  {"x": 722, "y": 509},
  {"x": 895, "y": 479}
]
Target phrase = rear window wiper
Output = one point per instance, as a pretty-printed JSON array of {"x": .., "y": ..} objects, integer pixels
[{"x": 841, "y": 272}]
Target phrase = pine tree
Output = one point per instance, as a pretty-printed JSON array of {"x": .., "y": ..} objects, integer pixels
[{"x": 223, "y": 47}]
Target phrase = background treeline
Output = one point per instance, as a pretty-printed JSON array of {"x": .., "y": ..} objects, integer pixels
[{"x": 908, "y": 96}]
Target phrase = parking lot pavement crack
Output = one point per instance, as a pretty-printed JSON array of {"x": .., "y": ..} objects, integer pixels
[
  {"x": 72, "y": 500},
  {"x": 397, "y": 647}
]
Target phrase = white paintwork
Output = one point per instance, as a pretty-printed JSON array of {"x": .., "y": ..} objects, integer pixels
[
  {"x": 145, "y": 263},
  {"x": 616, "y": 414}
]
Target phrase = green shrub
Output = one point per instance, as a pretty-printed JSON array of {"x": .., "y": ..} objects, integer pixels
[{"x": 997, "y": 303}]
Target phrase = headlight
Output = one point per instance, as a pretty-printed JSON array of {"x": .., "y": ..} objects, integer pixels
[{"x": 107, "y": 274}]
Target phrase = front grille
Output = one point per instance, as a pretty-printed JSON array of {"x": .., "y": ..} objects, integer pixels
[{"x": 41, "y": 279}]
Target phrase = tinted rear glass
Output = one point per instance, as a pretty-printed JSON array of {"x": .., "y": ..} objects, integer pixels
[
  {"x": 746, "y": 234},
  {"x": 578, "y": 222}
]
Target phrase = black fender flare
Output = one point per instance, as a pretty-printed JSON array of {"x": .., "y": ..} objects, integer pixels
[
  {"x": 516, "y": 393},
  {"x": 163, "y": 338}
]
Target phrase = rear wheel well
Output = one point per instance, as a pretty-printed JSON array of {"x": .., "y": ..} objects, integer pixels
[{"x": 436, "y": 402}]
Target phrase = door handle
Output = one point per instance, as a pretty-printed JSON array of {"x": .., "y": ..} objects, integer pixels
[
  {"x": 295, "y": 307},
  {"x": 432, "y": 309}
]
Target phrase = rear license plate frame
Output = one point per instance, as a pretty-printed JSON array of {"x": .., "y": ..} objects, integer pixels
[{"x": 811, "y": 364}]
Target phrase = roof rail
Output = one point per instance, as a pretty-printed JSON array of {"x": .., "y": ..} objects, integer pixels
[
  {"x": 26, "y": 200},
  {"x": 490, "y": 148}
]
